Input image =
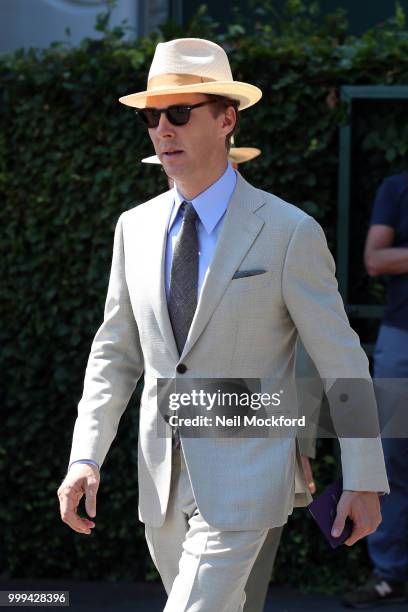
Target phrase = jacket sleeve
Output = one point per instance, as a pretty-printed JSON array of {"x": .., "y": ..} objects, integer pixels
[
  {"x": 310, "y": 292},
  {"x": 114, "y": 367}
]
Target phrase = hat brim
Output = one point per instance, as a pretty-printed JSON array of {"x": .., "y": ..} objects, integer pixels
[
  {"x": 246, "y": 94},
  {"x": 239, "y": 155},
  {"x": 153, "y": 159}
]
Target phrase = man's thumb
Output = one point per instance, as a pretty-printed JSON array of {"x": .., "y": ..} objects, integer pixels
[
  {"x": 90, "y": 499},
  {"x": 338, "y": 524}
]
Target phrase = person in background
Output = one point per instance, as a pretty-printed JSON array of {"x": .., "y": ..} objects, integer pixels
[
  {"x": 386, "y": 253},
  {"x": 256, "y": 588}
]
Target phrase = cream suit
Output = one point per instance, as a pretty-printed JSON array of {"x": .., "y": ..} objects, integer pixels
[{"x": 243, "y": 327}]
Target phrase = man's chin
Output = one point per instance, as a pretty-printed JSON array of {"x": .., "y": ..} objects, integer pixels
[{"x": 174, "y": 171}]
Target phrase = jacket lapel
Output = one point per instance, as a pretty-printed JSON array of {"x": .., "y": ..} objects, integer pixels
[
  {"x": 241, "y": 227},
  {"x": 156, "y": 240}
]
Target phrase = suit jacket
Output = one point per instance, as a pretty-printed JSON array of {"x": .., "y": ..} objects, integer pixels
[{"x": 243, "y": 327}]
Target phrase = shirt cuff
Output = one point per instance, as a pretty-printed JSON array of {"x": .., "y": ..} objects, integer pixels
[{"x": 89, "y": 461}]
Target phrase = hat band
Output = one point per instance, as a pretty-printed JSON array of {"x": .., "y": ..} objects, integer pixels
[{"x": 161, "y": 81}]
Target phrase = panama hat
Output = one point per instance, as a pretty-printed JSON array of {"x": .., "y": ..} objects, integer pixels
[
  {"x": 192, "y": 65},
  {"x": 239, "y": 155}
]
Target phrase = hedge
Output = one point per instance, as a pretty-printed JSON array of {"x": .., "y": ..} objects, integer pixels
[{"x": 69, "y": 165}]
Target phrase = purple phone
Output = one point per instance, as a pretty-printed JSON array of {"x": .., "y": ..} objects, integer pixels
[{"x": 323, "y": 509}]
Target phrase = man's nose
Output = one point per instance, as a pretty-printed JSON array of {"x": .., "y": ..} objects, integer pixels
[{"x": 165, "y": 128}]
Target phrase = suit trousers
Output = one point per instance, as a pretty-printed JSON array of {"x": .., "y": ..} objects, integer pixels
[
  {"x": 256, "y": 588},
  {"x": 202, "y": 568}
]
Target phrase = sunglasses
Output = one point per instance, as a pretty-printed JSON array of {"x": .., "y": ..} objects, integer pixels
[{"x": 177, "y": 114}]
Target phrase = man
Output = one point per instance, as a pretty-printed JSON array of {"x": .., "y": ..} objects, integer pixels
[
  {"x": 386, "y": 252},
  {"x": 212, "y": 282}
]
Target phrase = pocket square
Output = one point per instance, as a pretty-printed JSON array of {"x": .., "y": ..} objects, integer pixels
[{"x": 245, "y": 273}]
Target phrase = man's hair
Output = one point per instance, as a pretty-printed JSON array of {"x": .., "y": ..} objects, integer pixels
[{"x": 216, "y": 109}]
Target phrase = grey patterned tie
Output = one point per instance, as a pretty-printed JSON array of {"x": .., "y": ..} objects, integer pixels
[{"x": 184, "y": 277}]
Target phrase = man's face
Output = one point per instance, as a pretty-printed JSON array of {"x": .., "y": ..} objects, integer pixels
[{"x": 184, "y": 149}]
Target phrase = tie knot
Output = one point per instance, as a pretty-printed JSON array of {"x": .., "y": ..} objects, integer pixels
[{"x": 190, "y": 213}]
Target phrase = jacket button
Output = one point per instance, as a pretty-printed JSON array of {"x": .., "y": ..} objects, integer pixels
[{"x": 181, "y": 368}]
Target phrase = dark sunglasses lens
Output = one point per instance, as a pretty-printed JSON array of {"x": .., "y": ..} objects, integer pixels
[
  {"x": 149, "y": 116},
  {"x": 178, "y": 115}
]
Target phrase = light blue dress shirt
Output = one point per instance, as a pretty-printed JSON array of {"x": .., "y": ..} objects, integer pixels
[{"x": 210, "y": 206}]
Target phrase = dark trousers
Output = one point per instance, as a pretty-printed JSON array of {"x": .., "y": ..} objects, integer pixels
[{"x": 388, "y": 546}]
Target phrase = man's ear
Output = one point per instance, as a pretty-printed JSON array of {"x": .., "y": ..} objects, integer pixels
[{"x": 229, "y": 119}]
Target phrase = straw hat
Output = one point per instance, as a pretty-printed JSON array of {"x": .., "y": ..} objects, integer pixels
[
  {"x": 192, "y": 65},
  {"x": 239, "y": 155}
]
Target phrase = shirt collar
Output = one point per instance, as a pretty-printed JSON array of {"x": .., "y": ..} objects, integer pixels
[{"x": 212, "y": 203}]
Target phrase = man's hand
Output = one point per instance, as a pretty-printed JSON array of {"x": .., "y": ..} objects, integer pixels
[
  {"x": 307, "y": 468},
  {"x": 363, "y": 507},
  {"x": 81, "y": 479}
]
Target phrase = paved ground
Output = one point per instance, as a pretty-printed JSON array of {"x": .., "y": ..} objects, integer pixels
[{"x": 150, "y": 597}]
